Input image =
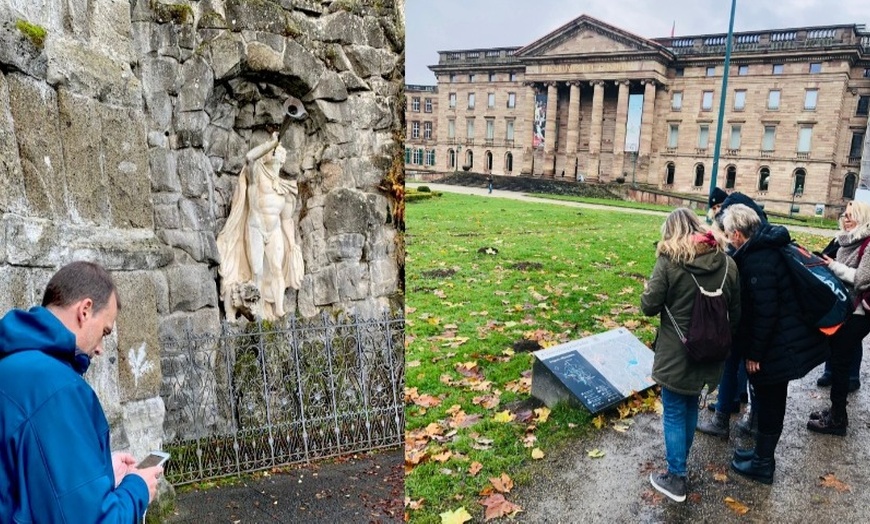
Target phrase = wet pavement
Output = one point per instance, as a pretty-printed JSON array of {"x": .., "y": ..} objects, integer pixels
[
  {"x": 361, "y": 488},
  {"x": 569, "y": 486}
]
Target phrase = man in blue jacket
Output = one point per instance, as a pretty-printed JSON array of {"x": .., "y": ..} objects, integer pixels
[{"x": 56, "y": 464}]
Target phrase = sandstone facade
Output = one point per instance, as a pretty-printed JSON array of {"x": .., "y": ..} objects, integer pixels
[{"x": 616, "y": 105}]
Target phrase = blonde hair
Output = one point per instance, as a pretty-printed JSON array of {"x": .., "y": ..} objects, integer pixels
[
  {"x": 678, "y": 230},
  {"x": 860, "y": 212}
]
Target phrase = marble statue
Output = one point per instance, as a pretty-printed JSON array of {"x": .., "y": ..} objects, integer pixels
[{"x": 260, "y": 258}]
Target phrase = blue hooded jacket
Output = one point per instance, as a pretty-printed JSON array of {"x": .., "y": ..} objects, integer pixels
[{"x": 55, "y": 459}]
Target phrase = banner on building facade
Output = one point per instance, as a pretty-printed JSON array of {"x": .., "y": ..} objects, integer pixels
[{"x": 540, "y": 119}]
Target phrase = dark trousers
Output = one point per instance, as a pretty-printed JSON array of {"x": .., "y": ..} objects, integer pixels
[
  {"x": 769, "y": 400},
  {"x": 844, "y": 343}
]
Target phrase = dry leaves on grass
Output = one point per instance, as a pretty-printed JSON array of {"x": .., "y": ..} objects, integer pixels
[
  {"x": 498, "y": 506},
  {"x": 537, "y": 454},
  {"x": 475, "y": 468},
  {"x": 502, "y": 484},
  {"x": 830, "y": 481},
  {"x": 736, "y": 506}
]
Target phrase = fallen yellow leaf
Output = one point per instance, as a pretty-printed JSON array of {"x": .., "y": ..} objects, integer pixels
[
  {"x": 736, "y": 506},
  {"x": 542, "y": 414},
  {"x": 457, "y": 516},
  {"x": 475, "y": 468},
  {"x": 537, "y": 454},
  {"x": 504, "y": 416},
  {"x": 595, "y": 453}
]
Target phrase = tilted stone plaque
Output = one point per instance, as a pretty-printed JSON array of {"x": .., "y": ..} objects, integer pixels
[{"x": 597, "y": 372}]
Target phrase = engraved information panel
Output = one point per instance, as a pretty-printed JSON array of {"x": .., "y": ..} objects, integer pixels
[{"x": 598, "y": 371}]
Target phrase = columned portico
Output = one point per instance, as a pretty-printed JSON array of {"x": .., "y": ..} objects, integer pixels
[{"x": 573, "y": 126}]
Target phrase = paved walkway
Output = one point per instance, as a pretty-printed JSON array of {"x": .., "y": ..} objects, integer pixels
[
  {"x": 514, "y": 195},
  {"x": 364, "y": 488}
]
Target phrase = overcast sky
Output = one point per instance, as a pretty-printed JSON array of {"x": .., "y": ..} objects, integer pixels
[{"x": 440, "y": 25}]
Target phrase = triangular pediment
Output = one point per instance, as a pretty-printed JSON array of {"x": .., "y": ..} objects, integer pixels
[{"x": 587, "y": 35}]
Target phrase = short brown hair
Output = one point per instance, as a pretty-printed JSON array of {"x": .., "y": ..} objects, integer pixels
[{"x": 77, "y": 281}]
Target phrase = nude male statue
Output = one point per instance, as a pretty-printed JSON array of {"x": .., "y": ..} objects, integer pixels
[{"x": 258, "y": 245}]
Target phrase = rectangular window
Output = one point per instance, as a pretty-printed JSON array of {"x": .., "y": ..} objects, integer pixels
[
  {"x": 768, "y": 139},
  {"x": 490, "y": 100},
  {"x": 815, "y": 67},
  {"x": 470, "y": 100},
  {"x": 703, "y": 137},
  {"x": 810, "y": 99},
  {"x": 407, "y": 155},
  {"x": 673, "y": 135},
  {"x": 734, "y": 143},
  {"x": 805, "y": 139},
  {"x": 711, "y": 71},
  {"x": 452, "y": 98},
  {"x": 863, "y": 105},
  {"x": 430, "y": 157},
  {"x": 513, "y": 77},
  {"x": 427, "y": 106},
  {"x": 867, "y": 72},
  {"x": 415, "y": 104},
  {"x": 469, "y": 128},
  {"x": 471, "y": 77},
  {"x": 490, "y": 128},
  {"x": 415, "y": 129},
  {"x": 418, "y": 156},
  {"x": 707, "y": 101},
  {"x": 509, "y": 130},
  {"x": 677, "y": 100},
  {"x": 773, "y": 99},
  {"x": 777, "y": 69},
  {"x": 743, "y": 70},
  {"x": 427, "y": 130},
  {"x": 452, "y": 77},
  {"x": 739, "y": 99},
  {"x": 857, "y": 146},
  {"x": 679, "y": 71},
  {"x": 512, "y": 100},
  {"x": 451, "y": 128},
  {"x": 492, "y": 77}
]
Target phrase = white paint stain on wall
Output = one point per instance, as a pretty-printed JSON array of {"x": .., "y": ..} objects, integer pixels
[{"x": 139, "y": 364}]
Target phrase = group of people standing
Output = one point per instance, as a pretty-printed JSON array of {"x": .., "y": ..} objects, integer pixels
[{"x": 771, "y": 341}]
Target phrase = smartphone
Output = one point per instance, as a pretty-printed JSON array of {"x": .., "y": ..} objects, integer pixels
[{"x": 154, "y": 458}]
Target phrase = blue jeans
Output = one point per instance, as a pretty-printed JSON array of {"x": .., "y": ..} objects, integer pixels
[
  {"x": 680, "y": 418},
  {"x": 732, "y": 383}
]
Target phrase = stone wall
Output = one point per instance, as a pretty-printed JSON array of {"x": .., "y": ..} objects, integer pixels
[{"x": 122, "y": 132}]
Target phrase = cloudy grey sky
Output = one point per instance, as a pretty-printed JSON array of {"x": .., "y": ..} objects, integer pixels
[{"x": 440, "y": 25}]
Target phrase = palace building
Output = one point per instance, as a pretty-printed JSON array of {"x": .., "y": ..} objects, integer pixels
[{"x": 590, "y": 101}]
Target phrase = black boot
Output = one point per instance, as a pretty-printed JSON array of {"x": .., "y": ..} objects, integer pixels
[
  {"x": 762, "y": 464},
  {"x": 744, "y": 454},
  {"x": 717, "y": 426},
  {"x": 833, "y": 422}
]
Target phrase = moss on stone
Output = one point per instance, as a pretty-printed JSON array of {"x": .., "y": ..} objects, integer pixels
[
  {"x": 351, "y": 6},
  {"x": 34, "y": 33},
  {"x": 212, "y": 20},
  {"x": 175, "y": 13},
  {"x": 291, "y": 29}
]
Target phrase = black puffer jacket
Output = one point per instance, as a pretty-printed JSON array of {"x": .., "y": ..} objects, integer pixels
[{"x": 771, "y": 330}]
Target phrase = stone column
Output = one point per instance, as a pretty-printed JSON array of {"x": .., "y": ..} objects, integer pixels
[
  {"x": 646, "y": 127},
  {"x": 595, "y": 134},
  {"x": 573, "y": 127},
  {"x": 550, "y": 130},
  {"x": 529, "y": 109},
  {"x": 619, "y": 133}
]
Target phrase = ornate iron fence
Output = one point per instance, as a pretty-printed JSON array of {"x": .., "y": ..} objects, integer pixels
[{"x": 252, "y": 398}]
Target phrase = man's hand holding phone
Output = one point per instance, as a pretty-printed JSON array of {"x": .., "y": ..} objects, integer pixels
[{"x": 150, "y": 470}]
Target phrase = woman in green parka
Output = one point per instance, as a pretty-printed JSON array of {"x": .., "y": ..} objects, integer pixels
[{"x": 687, "y": 249}]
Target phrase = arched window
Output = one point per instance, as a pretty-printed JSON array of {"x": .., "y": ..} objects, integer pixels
[
  {"x": 849, "y": 185},
  {"x": 699, "y": 175},
  {"x": 730, "y": 177},
  {"x": 451, "y": 158},
  {"x": 763, "y": 179},
  {"x": 670, "y": 173},
  {"x": 800, "y": 179},
  {"x": 469, "y": 160},
  {"x": 508, "y": 162},
  {"x": 488, "y": 161}
]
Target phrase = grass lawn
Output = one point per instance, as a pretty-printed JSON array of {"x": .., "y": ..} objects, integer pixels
[{"x": 559, "y": 274}]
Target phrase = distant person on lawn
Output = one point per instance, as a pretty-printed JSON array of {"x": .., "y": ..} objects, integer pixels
[{"x": 686, "y": 250}]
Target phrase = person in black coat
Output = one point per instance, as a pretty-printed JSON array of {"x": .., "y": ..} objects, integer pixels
[{"x": 776, "y": 343}]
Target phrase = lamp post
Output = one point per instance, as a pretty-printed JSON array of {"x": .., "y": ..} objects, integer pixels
[{"x": 722, "y": 100}]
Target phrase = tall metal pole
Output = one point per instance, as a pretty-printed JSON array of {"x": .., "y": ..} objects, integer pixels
[{"x": 722, "y": 97}]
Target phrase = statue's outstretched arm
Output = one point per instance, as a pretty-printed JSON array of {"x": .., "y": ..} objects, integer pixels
[{"x": 259, "y": 151}]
